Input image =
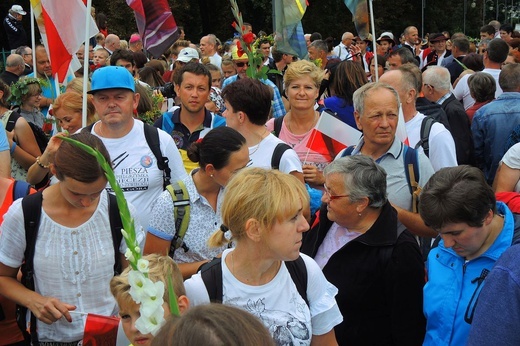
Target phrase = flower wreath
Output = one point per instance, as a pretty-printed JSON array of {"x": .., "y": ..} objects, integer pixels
[{"x": 21, "y": 88}]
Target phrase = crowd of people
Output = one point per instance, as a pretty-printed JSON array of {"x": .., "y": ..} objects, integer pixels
[{"x": 270, "y": 232}]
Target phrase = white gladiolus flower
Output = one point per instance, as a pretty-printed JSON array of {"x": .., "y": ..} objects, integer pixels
[
  {"x": 142, "y": 265},
  {"x": 137, "y": 249},
  {"x": 151, "y": 324},
  {"x": 129, "y": 255},
  {"x": 139, "y": 285},
  {"x": 124, "y": 233},
  {"x": 153, "y": 299}
]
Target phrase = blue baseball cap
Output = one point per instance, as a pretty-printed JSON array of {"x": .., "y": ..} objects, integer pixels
[{"x": 112, "y": 77}]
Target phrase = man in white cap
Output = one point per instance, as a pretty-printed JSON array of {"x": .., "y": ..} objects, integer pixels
[{"x": 13, "y": 27}]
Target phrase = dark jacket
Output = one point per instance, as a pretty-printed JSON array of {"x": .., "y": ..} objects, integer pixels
[
  {"x": 15, "y": 32},
  {"x": 380, "y": 278},
  {"x": 434, "y": 110},
  {"x": 460, "y": 130},
  {"x": 455, "y": 68},
  {"x": 9, "y": 77}
]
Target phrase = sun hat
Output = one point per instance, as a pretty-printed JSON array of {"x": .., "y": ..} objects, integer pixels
[
  {"x": 386, "y": 36},
  {"x": 112, "y": 77},
  {"x": 235, "y": 56},
  {"x": 187, "y": 54},
  {"x": 18, "y": 9}
]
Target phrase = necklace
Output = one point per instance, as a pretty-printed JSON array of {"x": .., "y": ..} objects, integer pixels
[
  {"x": 288, "y": 124},
  {"x": 260, "y": 142}
]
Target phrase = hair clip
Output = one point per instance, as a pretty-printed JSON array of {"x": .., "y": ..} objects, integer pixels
[{"x": 223, "y": 228}]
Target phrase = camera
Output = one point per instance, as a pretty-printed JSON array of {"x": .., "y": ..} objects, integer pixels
[{"x": 167, "y": 90}]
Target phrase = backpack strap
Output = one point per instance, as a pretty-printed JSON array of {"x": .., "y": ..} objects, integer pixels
[
  {"x": 11, "y": 121},
  {"x": 411, "y": 170},
  {"x": 278, "y": 125},
  {"x": 152, "y": 139},
  {"x": 181, "y": 214},
  {"x": 32, "y": 209},
  {"x": 348, "y": 151},
  {"x": 211, "y": 274},
  {"x": 278, "y": 152},
  {"x": 116, "y": 224},
  {"x": 88, "y": 128},
  {"x": 20, "y": 189},
  {"x": 298, "y": 272},
  {"x": 426, "y": 127}
]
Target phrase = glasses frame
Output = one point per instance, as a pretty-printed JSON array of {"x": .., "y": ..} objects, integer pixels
[{"x": 332, "y": 197}]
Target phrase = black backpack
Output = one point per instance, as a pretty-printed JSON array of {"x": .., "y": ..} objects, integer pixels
[
  {"x": 41, "y": 138},
  {"x": 211, "y": 273},
  {"x": 151, "y": 135},
  {"x": 32, "y": 208}
]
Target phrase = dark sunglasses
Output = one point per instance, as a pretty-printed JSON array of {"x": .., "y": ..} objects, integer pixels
[{"x": 241, "y": 64}]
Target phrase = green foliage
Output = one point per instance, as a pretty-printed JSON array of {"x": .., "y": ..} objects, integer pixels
[{"x": 21, "y": 88}]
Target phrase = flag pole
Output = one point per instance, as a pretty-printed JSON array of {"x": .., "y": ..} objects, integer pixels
[
  {"x": 85, "y": 64},
  {"x": 33, "y": 42},
  {"x": 374, "y": 43}
]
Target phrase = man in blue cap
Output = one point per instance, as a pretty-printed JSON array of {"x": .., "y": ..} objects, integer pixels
[{"x": 134, "y": 163}]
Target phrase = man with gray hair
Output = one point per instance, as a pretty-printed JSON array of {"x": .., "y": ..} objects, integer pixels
[
  {"x": 376, "y": 110},
  {"x": 16, "y": 35},
  {"x": 494, "y": 55},
  {"x": 342, "y": 50},
  {"x": 14, "y": 67},
  {"x": 436, "y": 88},
  {"x": 493, "y": 123},
  {"x": 318, "y": 50},
  {"x": 26, "y": 53},
  {"x": 431, "y": 138}
]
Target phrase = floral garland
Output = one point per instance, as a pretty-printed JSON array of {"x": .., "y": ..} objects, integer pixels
[
  {"x": 21, "y": 88},
  {"x": 245, "y": 45},
  {"x": 143, "y": 291}
]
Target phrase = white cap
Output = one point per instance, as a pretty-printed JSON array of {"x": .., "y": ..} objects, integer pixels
[
  {"x": 187, "y": 54},
  {"x": 18, "y": 9}
]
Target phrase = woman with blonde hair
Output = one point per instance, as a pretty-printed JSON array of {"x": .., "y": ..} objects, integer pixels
[
  {"x": 302, "y": 81},
  {"x": 263, "y": 210},
  {"x": 67, "y": 110}
]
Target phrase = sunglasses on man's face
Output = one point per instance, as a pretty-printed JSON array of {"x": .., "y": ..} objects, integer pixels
[{"x": 241, "y": 64}]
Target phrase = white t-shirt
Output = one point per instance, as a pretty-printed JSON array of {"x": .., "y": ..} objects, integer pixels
[
  {"x": 203, "y": 222},
  {"x": 260, "y": 156},
  {"x": 442, "y": 147},
  {"x": 461, "y": 91},
  {"x": 278, "y": 304},
  {"x": 74, "y": 265},
  {"x": 512, "y": 159},
  {"x": 216, "y": 60},
  {"x": 136, "y": 169}
]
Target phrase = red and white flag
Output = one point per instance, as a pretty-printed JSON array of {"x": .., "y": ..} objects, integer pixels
[
  {"x": 63, "y": 31},
  {"x": 400, "y": 132},
  {"x": 100, "y": 330},
  {"x": 332, "y": 134}
]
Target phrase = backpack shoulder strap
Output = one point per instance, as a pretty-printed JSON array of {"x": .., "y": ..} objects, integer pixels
[
  {"x": 88, "y": 128},
  {"x": 278, "y": 152},
  {"x": 278, "y": 125},
  {"x": 20, "y": 189},
  {"x": 11, "y": 121},
  {"x": 298, "y": 272},
  {"x": 426, "y": 127},
  {"x": 32, "y": 210},
  {"x": 151, "y": 135},
  {"x": 411, "y": 170},
  {"x": 211, "y": 274},
  {"x": 116, "y": 224},
  {"x": 181, "y": 214},
  {"x": 348, "y": 151}
]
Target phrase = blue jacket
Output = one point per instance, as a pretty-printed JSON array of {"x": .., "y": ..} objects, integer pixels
[
  {"x": 451, "y": 293},
  {"x": 491, "y": 127},
  {"x": 497, "y": 316}
]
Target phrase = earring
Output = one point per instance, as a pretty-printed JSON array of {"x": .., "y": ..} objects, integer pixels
[
  {"x": 359, "y": 214},
  {"x": 211, "y": 175}
]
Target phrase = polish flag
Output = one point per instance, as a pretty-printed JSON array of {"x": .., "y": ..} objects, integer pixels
[
  {"x": 400, "y": 132},
  {"x": 64, "y": 27},
  {"x": 332, "y": 135},
  {"x": 100, "y": 330}
]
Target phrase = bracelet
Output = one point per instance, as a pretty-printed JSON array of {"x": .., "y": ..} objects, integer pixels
[
  {"x": 13, "y": 147},
  {"x": 41, "y": 164}
]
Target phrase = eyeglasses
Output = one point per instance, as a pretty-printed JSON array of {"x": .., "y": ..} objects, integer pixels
[
  {"x": 241, "y": 64},
  {"x": 332, "y": 197}
]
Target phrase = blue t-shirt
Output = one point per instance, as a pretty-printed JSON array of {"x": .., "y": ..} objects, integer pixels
[{"x": 4, "y": 143}]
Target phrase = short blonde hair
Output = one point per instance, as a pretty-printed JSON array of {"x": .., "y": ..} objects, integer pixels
[
  {"x": 161, "y": 267},
  {"x": 302, "y": 68},
  {"x": 269, "y": 196}
]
